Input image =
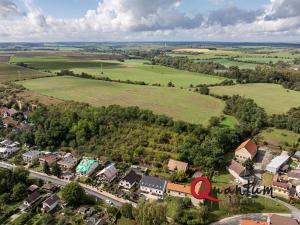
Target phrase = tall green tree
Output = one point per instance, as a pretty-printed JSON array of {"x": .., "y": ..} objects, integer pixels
[{"x": 73, "y": 194}]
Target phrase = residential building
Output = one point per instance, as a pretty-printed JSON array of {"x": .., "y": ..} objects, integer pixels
[
  {"x": 237, "y": 170},
  {"x": 130, "y": 179},
  {"x": 282, "y": 220},
  {"x": 246, "y": 150},
  {"x": 7, "y": 148},
  {"x": 153, "y": 185},
  {"x": 67, "y": 175},
  {"x": 50, "y": 158},
  {"x": 175, "y": 165},
  {"x": 50, "y": 187},
  {"x": 294, "y": 175},
  {"x": 86, "y": 167},
  {"x": 3, "y": 112},
  {"x": 9, "y": 122},
  {"x": 108, "y": 174},
  {"x": 31, "y": 199},
  {"x": 296, "y": 156},
  {"x": 50, "y": 203},
  {"x": 32, "y": 188},
  {"x": 280, "y": 184},
  {"x": 278, "y": 162},
  {"x": 178, "y": 190},
  {"x": 68, "y": 162},
  {"x": 12, "y": 112},
  {"x": 96, "y": 220},
  {"x": 30, "y": 156}
]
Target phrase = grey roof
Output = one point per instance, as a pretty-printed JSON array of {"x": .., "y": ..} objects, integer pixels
[
  {"x": 31, "y": 153},
  {"x": 33, "y": 197},
  {"x": 154, "y": 182},
  {"x": 132, "y": 177},
  {"x": 278, "y": 161},
  {"x": 52, "y": 200},
  {"x": 297, "y": 154}
]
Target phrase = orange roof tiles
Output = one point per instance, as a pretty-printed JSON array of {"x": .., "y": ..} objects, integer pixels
[
  {"x": 252, "y": 222},
  {"x": 249, "y": 145},
  {"x": 179, "y": 188}
]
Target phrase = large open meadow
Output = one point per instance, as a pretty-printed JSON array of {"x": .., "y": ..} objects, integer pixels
[
  {"x": 134, "y": 70},
  {"x": 174, "y": 102},
  {"x": 10, "y": 72},
  {"x": 272, "y": 97}
]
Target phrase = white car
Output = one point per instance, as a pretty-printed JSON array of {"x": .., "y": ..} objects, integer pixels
[{"x": 108, "y": 202}]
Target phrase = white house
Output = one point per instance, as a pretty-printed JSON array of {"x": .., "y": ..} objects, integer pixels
[
  {"x": 8, "y": 149},
  {"x": 246, "y": 150},
  {"x": 50, "y": 203},
  {"x": 153, "y": 185},
  {"x": 29, "y": 156},
  {"x": 277, "y": 162},
  {"x": 130, "y": 179},
  {"x": 108, "y": 174}
]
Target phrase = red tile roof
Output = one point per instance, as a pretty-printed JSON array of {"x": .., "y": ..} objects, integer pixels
[
  {"x": 249, "y": 145},
  {"x": 252, "y": 222},
  {"x": 179, "y": 188}
]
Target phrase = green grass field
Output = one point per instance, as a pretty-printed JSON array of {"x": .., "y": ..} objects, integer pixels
[
  {"x": 10, "y": 72},
  {"x": 273, "y": 98},
  {"x": 228, "y": 62},
  {"x": 174, "y": 102},
  {"x": 279, "y": 137},
  {"x": 134, "y": 70}
]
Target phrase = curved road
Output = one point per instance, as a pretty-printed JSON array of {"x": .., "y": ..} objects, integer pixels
[{"x": 89, "y": 190}]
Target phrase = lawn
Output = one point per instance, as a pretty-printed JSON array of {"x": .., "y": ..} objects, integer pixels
[
  {"x": 279, "y": 137},
  {"x": 229, "y": 121},
  {"x": 134, "y": 70},
  {"x": 273, "y": 98},
  {"x": 174, "y": 102},
  {"x": 10, "y": 72}
]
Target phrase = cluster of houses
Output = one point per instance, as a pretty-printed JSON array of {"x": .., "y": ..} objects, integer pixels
[
  {"x": 12, "y": 118},
  {"x": 272, "y": 219},
  {"x": 286, "y": 174},
  {"x": 8, "y": 148}
]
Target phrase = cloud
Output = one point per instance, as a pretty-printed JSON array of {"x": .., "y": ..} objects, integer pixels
[
  {"x": 8, "y": 9},
  {"x": 152, "y": 20},
  {"x": 232, "y": 15}
]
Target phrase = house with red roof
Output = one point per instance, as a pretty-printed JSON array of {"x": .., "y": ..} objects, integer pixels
[{"x": 246, "y": 150}]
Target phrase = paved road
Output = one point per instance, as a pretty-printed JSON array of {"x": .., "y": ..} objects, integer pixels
[{"x": 89, "y": 190}]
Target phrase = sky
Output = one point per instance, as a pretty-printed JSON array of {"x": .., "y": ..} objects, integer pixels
[{"x": 150, "y": 20}]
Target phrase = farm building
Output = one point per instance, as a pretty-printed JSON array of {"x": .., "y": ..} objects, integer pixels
[
  {"x": 246, "y": 150},
  {"x": 277, "y": 162},
  {"x": 86, "y": 167}
]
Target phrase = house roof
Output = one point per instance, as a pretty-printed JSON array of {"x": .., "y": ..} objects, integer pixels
[
  {"x": 31, "y": 153},
  {"x": 3, "y": 110},
  {"x": 236, "y": 167},
  {"x": 10, "y": 121},
  {"x": 49, "y": 157},
  {"x": 33, "y": 197},
  {"x": 278, "y": 161},
  {"x": 249, "y": 145},
  {"x": 252, "y": 222},
  {"x": 12, "y": 111},
  {"x": 32, "y": 188},
  {"x": 153, "y": 182},
  {"x": 294, "y": 174},
  {"x": 67, "y": 161},
  {"x": 179, "y": 188},
  {"x": 280, "y": 220},
  {"x": 177, "y": 165},
  {"x": 109, "y": 171},
  {"x": 52, "y": 200},
  {"x": 132, "y": 177},
  {"x": 85, "y": 165},
  {"x": 297, "y": 154}
]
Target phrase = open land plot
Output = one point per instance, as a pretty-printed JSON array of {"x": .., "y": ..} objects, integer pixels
[
  {"x": 279, "y": 137},
  {"x": 173, "y": 102},
  {"x": 134, "y": 70},
  {"x": 272, "y": 97},
  {"x": 263, "y": 59},
  {"x": 10, "y": 72}
]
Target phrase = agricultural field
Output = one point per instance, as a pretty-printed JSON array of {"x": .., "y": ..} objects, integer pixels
[
  {"x": 134, "y": 70},
  {"x": 227, "y": 62},
  {"x": 10, "y": 72},
  {"x": 263, "y": 95},
  {"x": 174, "y": 102}
]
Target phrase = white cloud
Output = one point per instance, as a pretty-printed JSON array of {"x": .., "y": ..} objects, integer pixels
[{"x": 152, "y": 20}]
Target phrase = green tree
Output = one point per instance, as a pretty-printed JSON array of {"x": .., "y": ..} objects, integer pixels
[
  {"x": 151, "y": 213},
  {"x": 46, "y": 168},
  {"x": 126, "y": 211},
  {"x": 178, "y": 176},
  {"x": 249, "y": 165},
  {"x": 73, "y": 194},
  {"x": 18, "y": 192},
  {"x": 56, "y": 170},
  {"x": 204, "y": 90}
]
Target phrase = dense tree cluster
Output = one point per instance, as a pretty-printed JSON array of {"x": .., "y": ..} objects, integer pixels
[
  {"x": 290, "y": 120},
  {"x": 264, "y": 73},
  {"x": 251, "y": 117}
]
